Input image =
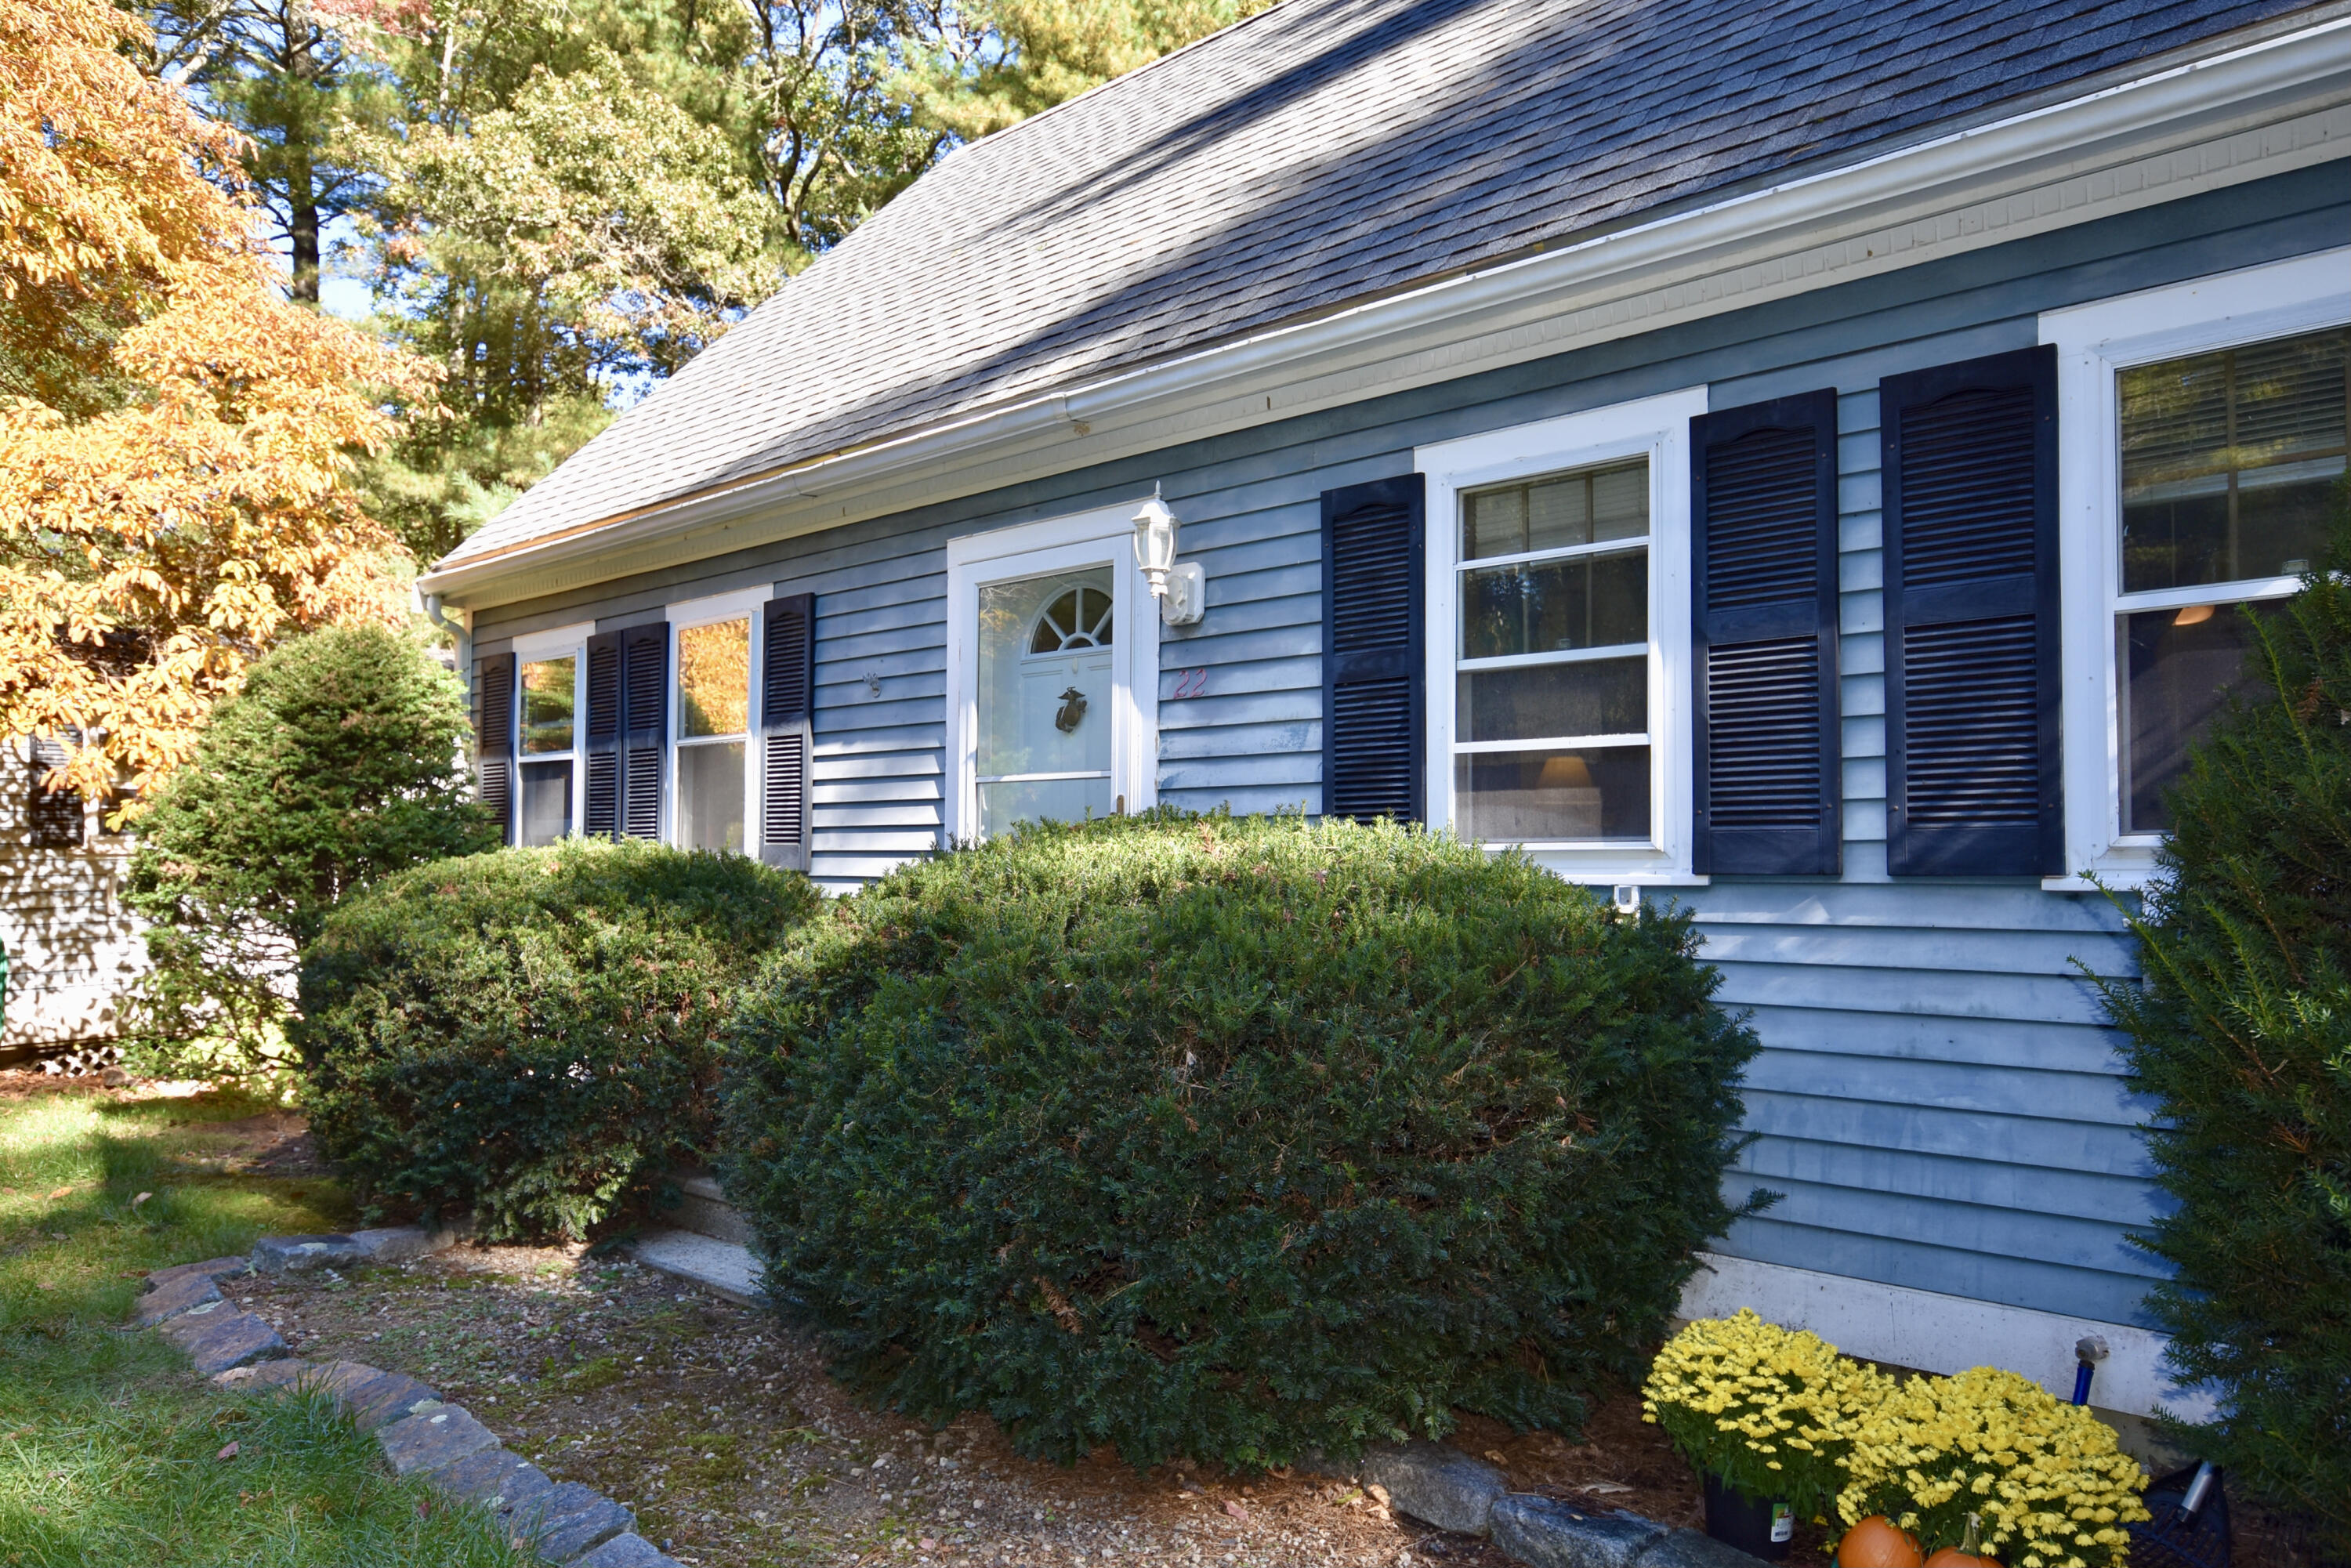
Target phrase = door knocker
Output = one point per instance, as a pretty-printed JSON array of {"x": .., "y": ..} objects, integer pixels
[{"x": 1072, "y": 709}]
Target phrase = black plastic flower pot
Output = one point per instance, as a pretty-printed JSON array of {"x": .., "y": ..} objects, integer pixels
[{"x": 1759, "y": 1527}]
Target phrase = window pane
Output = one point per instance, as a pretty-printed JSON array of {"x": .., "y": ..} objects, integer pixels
[
  {"x": 2229, "y": 460},
  {"x": 714, "y": 681},
  {"x": 2180, "y": 666},
  {"x": 1544, "y": 607},
  {"x": 710, "y": 796},
  {"x": 546, "y": 690},
  {"x": 1045, "y": 697},
  {"x": 1512, "y": 797},
  {"x": 1554, "y": 513},
  {"x": 1536, "y": 701},
  {"x": 546, "y": 802}
]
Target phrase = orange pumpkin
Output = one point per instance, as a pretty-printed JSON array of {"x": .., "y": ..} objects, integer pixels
[
  {"x": 1876, "y": 1543},
  {"x": 1952, "y": 1557}
]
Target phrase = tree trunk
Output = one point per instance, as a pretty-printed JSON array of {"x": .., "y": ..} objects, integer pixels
[{"x": 302, "y": 210}]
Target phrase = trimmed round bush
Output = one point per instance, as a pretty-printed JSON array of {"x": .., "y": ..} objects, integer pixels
[
  {"x": 530, "y": 1034},
  {"x": 1232, "y": 1138}
]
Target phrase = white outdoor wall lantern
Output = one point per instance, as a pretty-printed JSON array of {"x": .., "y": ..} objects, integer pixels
[{"x": 1181, "y": 589}]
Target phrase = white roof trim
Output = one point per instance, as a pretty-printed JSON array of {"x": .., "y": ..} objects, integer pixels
[
  {"x": 2261, "y": 109},
  {"x": 553, "y": 642}
]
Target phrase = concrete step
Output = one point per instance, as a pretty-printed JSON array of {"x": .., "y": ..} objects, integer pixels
[
  {"x": 704, "y": 1210},
  {"x": 724, "y": 1267}
]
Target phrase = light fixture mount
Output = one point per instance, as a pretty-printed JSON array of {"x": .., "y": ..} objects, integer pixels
[{"x": 1180, "y": 588}]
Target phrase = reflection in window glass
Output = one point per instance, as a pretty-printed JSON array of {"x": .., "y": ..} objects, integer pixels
[
  {"x": 1548, "y": 606},
  {"x": 546, "y": 802},
  {"x": 2179, "y": 669},
  {"x": 1078, "y": 619},
  {"x": 1515, "y": 797},
  {"x": 2230, "y": 461},
  {"x": 1558, "y": 512},
  {"x": 547, "y": 696},
  {"x": 1045, "y": 699},
  {"x": 1580, "y": 587},
  {"x": 710, "y": 796},
  {"x": 714, "y": 716},
  {"x": 1533, "y": 702},
  {"x": 714, "y": 679}
]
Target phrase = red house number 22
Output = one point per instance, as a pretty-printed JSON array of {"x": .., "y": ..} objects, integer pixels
[{"x": 1190, "y": 682}]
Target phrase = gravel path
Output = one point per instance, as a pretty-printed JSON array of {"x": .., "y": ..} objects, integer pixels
[{"x": 720, "y": 1427}]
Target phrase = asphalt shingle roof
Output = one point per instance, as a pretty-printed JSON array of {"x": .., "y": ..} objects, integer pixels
[{"x": 1320, "y": 152}]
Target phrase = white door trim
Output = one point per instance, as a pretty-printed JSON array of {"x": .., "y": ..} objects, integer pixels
[{"x": 1102, "y": 535}]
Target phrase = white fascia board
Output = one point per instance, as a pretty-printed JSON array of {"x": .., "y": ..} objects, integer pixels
[
  {"x": 2262, "y": 110},
  {"x": 1930, "y": 1332}
]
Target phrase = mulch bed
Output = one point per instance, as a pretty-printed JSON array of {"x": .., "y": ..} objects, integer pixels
[{"x": 721, "y": 1428}]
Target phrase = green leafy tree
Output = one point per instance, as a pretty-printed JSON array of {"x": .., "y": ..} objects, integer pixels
[
  {"x": 996, "y": 62},
  {"x": 587, "y": 231},
  {"x": 2243, "y": 1034},
  {"x": 821, "y": 115},
  {"x": 337, "y": 763}
]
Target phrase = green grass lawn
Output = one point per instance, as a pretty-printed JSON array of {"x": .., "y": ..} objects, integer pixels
[{"x": 109, "y": 1442}]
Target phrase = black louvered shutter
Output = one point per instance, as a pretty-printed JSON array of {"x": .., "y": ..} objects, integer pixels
[
  {"x": 493, "y": 738},
  {"x": 644, "y": 727},
  {"x": 786, "y": 687},
  {"x": 1971, "y": 618},
  {"x": 1374, "y": 709},
  {"x": 1768, "y": 755},
  {"x": 53, "y": 819},
  {"x": 603, "y": 735}
]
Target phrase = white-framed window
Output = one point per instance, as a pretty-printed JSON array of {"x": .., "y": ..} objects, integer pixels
[
  {"x": 550, "y": 689},
  {"x": 1052, "y": 674},
  {"x": 2201, "y": 432},
  {"x": 1559, "y": 656},
  {"x": 714, "y": 674}
]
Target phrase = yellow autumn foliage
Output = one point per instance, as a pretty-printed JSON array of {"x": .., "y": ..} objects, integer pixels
[{"x": 177, "y": 438}]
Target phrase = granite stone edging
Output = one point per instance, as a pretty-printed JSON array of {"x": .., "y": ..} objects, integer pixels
[
  {"x": 1455, "y": 1491},
  {"x": 420, "y": 1433}
]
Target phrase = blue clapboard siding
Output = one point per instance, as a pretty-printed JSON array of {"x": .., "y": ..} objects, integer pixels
[{"x": 1936, "y": 1101}]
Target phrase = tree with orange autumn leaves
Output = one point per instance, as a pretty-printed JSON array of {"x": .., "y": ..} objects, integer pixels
[{"x": 177, "y": 440}]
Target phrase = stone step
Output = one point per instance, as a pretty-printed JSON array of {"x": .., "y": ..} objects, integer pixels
[
  {"x": 723, "y": 1267},
  {"x": 704, "y": 1210}
]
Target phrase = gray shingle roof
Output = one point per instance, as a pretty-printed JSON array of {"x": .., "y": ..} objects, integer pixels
[{"x": 1322, "y": 151}]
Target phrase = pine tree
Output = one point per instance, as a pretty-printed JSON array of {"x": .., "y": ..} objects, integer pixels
[{"x": 2243, "y": 1033}]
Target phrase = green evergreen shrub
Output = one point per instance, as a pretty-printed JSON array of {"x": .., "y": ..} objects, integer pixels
[
  {"x": 340, "y": 761},
  {"x": 528, "y": 1035},
  {"x": 2241, "y": 1032},
  {"x": 1232, "y": 1138}
]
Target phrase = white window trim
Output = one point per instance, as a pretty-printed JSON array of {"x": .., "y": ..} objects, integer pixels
[
  {"x": 747, "y": 604},
  {"x": 531, "y": 648},
  {"x": 1655, "y": 427},
  {"x": 2094, "y": 342},
  {"x": 1104, "y": 535}
]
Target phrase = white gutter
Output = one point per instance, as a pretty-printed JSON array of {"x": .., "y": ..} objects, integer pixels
[{"x": 1528, "y": 288}]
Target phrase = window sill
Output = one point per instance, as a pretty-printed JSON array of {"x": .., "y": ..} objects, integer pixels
[
  {"x": 1611, "y": 866},
  {"x": 2123, "y": 868}
]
